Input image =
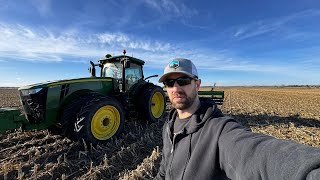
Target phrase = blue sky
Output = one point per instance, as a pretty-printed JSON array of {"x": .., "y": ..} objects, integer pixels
[{"x": 231, "y": 42}]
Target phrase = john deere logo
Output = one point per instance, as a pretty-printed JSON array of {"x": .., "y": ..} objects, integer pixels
[{"x": 174, "y": 64}]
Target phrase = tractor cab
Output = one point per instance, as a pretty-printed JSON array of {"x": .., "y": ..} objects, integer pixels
[
  {"x": 132, "y": 74},
  {"x": 126, "y": 70}
]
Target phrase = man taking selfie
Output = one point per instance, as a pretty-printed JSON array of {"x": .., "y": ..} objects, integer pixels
[{"x": 199, "y": 142}]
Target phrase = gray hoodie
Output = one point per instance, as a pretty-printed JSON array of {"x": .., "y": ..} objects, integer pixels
[{"x": 216, "y": 147}]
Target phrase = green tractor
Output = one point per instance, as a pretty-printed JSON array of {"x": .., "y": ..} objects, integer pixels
[{"x": 94, "y": 108}]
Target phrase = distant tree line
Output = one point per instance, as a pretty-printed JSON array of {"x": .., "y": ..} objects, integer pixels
[{"x": 307, "y": 86}]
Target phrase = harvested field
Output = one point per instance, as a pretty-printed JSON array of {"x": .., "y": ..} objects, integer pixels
[
  {"x": 286, "y": 113},
  {"x": 9, "y": 97}
]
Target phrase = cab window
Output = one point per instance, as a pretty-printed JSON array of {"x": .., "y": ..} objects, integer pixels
[
  {"x": 113, "y": 70},
  {"x": 134, "y": 73}
]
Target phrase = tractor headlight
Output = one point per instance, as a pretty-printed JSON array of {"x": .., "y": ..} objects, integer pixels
[{"x": 27, "y": 92}]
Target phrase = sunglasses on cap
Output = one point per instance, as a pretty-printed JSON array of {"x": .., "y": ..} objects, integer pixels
[{"x": 181, "y": 81}]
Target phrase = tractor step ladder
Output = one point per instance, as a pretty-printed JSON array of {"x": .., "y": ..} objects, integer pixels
[{"x": 133, "y": 113}]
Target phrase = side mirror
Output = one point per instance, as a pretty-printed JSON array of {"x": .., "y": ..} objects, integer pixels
[{"x": 126, "y": 64}]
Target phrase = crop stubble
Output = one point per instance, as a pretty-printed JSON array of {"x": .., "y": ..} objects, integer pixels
[{"x": 286, "y": 113}]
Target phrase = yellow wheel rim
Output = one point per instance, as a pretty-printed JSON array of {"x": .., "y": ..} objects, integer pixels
[
  {"x": 157, "y": 106},
  {"x": 105, "y": 122}
]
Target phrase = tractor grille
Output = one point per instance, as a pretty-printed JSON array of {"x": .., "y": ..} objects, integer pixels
[{"x": 34, "y": 105}]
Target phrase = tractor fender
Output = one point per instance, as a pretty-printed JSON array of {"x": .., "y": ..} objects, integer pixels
[
  {"x": 71, "y": 97},
  {"x": 136, "y": 89}
]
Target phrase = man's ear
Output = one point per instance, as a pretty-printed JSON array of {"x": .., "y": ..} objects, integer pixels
[{"x": 198, "y": 83}]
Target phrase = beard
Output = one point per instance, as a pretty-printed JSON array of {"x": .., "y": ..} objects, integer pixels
[{"x": 189, "y": 100}]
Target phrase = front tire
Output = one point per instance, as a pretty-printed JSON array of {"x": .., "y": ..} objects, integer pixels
[
  {"x": 99, "y": 120},
  {"x": 69, "y": 115}
]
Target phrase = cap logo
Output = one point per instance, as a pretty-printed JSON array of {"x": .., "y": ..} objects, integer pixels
[{"x": 174, "y": 64}]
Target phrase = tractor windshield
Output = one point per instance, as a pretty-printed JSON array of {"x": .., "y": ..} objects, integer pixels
[{"x": 112, "y": 70}]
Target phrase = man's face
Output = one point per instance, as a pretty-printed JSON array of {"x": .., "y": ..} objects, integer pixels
[{"x": 182, "y": 97}]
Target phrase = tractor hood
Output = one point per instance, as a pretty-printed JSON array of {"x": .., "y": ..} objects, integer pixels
[{"x": 65, "y": 81}]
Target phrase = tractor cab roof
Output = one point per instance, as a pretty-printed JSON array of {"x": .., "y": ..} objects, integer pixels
[{"x": 118, "y": 58}]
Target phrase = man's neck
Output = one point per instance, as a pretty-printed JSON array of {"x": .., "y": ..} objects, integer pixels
[{"x": 189, "y": 111}]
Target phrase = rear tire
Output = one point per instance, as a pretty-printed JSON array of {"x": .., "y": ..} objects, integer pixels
[
  {"x": 99, "y": 120},
  {"x": 152, "y": 104}
]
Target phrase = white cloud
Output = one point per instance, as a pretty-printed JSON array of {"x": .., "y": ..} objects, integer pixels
[
  {"x": 270, "y": 25},
  {"x": 23, "y": 40},
  {"x": 149, "y": 46},
  {"x": 24, "y": 43},
  {"x": 171, "y": 9},
  {"x": 122, "y": 40},
  {"x": 256, "y": 29},
  {"x": 112, "y": 37},
  {"x": 27, "y": 44}
]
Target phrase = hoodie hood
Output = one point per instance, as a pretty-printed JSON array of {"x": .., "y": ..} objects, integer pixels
[{"x": 206, "y": 111}]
